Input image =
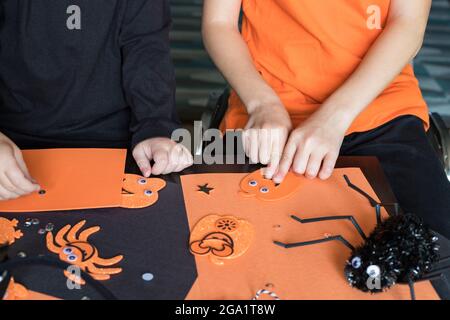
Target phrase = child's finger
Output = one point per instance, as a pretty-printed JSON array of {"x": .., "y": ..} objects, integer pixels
[
  {"x": 254, "y": 145},
  {"x": 286, "y": 161},
  {"x": 328, "y": 165},
  {"x": 185, "y": 161},
  {"x": 142, "y": 160},
  {"x": 314, "y": 164},
  {"x": 175, "y": 156},
  {"x": 22, "y": 165},
  {"x": 18, "y": 179},
  {"x": 301, "y": 158},
  {"x": 6, "y": 183},
  {"x": 264, "y": 137},
  {"x": 161, "y": 158},
  {"x": 7, "y": 195}
]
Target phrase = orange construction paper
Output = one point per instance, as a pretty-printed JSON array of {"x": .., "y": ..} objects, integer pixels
[
  {"x": 72, "y": 179},
  {"x": 312, "y": 272}
]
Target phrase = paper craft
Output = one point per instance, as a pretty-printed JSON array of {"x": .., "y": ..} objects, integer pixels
[
  {"x": 314, "y": 272},
  {"x": 256, "y": 185},
  {"x": 221, "y": 237},
  {"x": 140, "y": 192},
  {"x": 72, "y": 179},
  {"x": 75, "y": 249},
  {"x": 8, "y": 232}
]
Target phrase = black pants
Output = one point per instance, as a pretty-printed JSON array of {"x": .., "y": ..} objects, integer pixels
[{"x": 411, "y": 166}]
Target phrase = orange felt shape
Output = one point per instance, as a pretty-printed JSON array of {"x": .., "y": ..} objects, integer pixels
[
  {"x": 72, "y": 246},
  {"x": 8, "y": 232},
  {"x": 221, "y": 237},
  {"x": 17, "y": 291},
  {"x": 255, "y": 185},
  {"x": 311, "y": 272},
  {"x": 140, "y": 192},
  {"x": 72, "y": 179}
]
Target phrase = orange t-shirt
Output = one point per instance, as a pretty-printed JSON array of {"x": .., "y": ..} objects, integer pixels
[{"x": 306, "y": 49}]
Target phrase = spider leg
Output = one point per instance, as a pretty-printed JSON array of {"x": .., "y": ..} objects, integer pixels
[
  {"x": 51, "y": 244},
  {"x": 330, "y": 218},
  {"x": 84, "y": 235},
  {"x": 72, "y": 235},
  {"x": 103, "y": 271},
  {"x": 307, "y": 243},
  {"x": 108, "y": 262},
  {"x": 100, "y": 277},
  {"x": 60, "y": 236},
  {"x": 411, "y": 288},
  {"x": 372, "y": 201}
]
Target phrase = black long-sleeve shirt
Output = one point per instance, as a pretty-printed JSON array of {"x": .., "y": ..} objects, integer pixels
[{"x": 85, "y": 72}]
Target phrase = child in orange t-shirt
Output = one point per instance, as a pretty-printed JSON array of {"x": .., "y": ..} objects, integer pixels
[{"x": 316, "y": 79}]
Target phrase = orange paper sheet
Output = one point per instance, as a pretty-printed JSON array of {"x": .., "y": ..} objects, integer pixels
[
  {"x": 72, "y": 179},
  {"x": 312, "y": 272}
]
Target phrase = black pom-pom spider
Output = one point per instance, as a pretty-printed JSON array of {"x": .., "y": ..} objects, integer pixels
[{"x": 401, "y": 249}]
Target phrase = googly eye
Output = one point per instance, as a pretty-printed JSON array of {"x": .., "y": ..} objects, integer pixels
[
  {"x": 72, "y": 258},
  {"x": 373, "y": 271},
  {"x": 253, "y": 183},
  {"x": 142, "y": 181},
  {"x": 148, "y": 193},
  {"x": 67, "y": 250},
  {"x": 356, "y": 262},
  {"x": 264, "y": 189}
]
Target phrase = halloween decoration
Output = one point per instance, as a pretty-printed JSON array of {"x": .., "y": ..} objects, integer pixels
[
  {"x": 75, "y": 249},
  {"x": 8, "y": 232},
  {"x": 256, "y": 185},
  {"x": 140, "y": 192},
  {"x": 261, "y": 292},
  {"x": 204, "y": 188},
  {"x": 401, "y": 249},
  {"x": 221, "y": 237}
]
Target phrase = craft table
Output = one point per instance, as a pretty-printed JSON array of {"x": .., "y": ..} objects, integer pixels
[{"x": 154, "y": 241}]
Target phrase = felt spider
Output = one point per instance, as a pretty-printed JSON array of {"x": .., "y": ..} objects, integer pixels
[
  {"x": 76, "y": 250},
  {"x": 401, "y": 249}
]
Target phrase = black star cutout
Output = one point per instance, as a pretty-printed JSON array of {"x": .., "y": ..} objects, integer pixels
[{"x": 205, "y": 188}]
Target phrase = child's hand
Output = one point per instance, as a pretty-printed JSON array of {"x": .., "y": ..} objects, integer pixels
[
  {"x": 168, "y": 156},
  {"x": 265, "y": 135},
  {"x": 15, "y": 180},
  {"x": 313, "y": 147}
]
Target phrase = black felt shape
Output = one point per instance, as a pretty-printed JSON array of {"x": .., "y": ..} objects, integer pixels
[
  {"x": 204, "y": 188},
  {"x": 152, "y": 240}
]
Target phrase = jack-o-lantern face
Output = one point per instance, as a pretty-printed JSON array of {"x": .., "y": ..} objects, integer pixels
[
  {"x": 256, "y": 185},
  {"x": 221, "y": 237},
  {"x": 140, "y": 192}
]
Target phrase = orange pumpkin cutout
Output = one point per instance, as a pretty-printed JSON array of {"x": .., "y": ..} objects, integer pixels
[
  {"x": 139, "y": 192},
  {"x": 256, "y": 185},
  {"x": 8, "y": 232},
  {"x": 221, "y": 238},
  {"x": 75, "y": 249}
]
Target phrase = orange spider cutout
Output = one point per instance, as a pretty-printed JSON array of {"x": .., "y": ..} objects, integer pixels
[
  {"x": 139, "y": 192},
  {"x": 255, "y": 185},
  {"x": 76, "y": 250},
  {"x": 8, "y": 232},
  {"x": 221, "y": 238}
]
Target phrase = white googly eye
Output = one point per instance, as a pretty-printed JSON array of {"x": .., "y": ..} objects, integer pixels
[
  {"x": 264, "y": 189},
  {"x": 67, "y": 251},
  {"x": 72, "y": 258},
  {"x": 373, "y": 271},
  {"x": 148, "y": 192},
  {"x": 142, "y": 181},
  {"x": 253, "y": 183},
  {"x": 356, "y": 262}
]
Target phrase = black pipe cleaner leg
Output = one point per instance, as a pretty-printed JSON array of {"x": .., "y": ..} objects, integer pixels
[
  {"x": 307, "y": 243},
  {"x": 411, "y": 288},
  {"x": 352, "y": 219}
]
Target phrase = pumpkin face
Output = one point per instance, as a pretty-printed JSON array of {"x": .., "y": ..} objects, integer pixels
[
  {"x": 256, "y": 185},
  {"x": 221, "y": 238},
  {"x": 139, "y": 192}
]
